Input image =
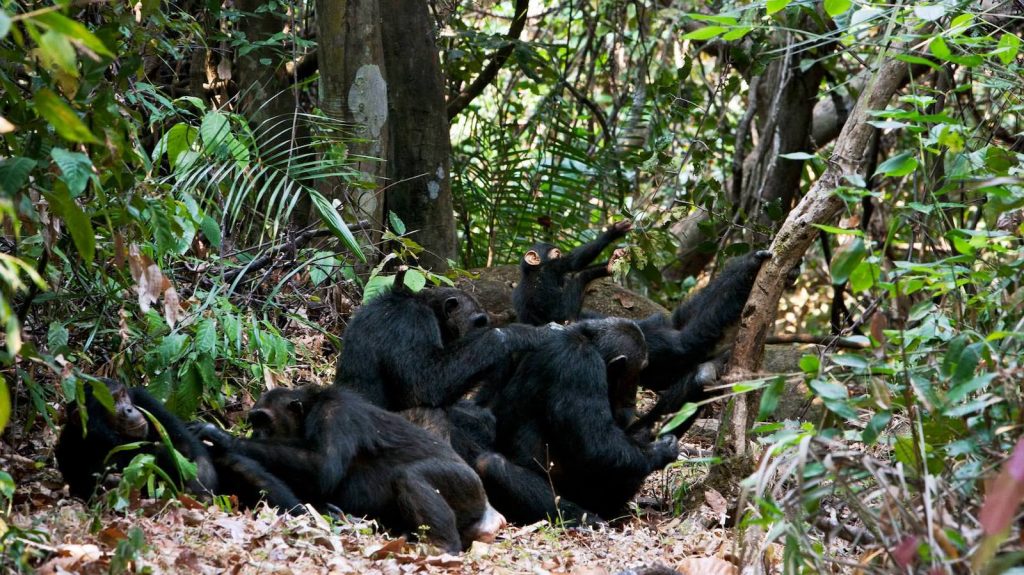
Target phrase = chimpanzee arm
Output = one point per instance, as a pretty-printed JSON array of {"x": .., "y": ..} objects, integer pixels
[
  {"x": 583, "y": 255},
  {"x": 689, "y": 389},
  {"x": 448, "y": 372},
  {"x": 591, "y": 273},
  {"x": 292, "y": 461},
  {"x": 182, "y": 439},
  {"x": 245, "y": 478},
  {"x": 721, "y": 302}
]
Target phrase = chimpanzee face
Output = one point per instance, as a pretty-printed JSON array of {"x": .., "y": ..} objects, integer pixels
[
  {"x": 126, "y": 419},
  {"x": 458, "y": 313},
  {"x": 540, "y": 253},
  {"x": 279, "y": 414}
]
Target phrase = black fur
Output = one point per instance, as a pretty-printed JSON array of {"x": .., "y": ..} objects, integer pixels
[
  {"x": 555, "y": 418},
  {"x": 551, "y": 285},
  {"x": 680, "y": 346},
  {"x": 426, "y": 349},
  {"x": 334, "y": 448},
  {"x": 251, "y": 483},
  {"x": 82, "y": 458}
]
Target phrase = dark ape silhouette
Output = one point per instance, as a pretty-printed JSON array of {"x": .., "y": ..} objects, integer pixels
[
  {"x": 426, "y": 349},
  {"x": 334, "y": 448},
  {"x": 551, "y": 284}
]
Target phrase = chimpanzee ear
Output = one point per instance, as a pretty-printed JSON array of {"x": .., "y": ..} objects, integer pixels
[
  {"x": 260, "y": 418},
  {"x": 296, "y": 407},
  {"x": 554, "y": 253},
  {"x": 531, "y": 258},
  {"x": 450, "y": 304}
]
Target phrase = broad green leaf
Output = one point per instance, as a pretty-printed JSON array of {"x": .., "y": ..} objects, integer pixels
[
  {"x": 705, "y": 33},
  {"x": 897, "y": 166},
  {"x": 1007, "y": 48},
  {"x": 63, "y": 119},
  {"x": 810, "y": 364},
  {"x": 5, "y": 24},
  {"x": 206, "y": 336},
  {"x": 56, "y": 337},
  {"x": 376, "y": 285},
  {"x": 5, "y": 407},
  {"x": 875, "y": 427},
  {"x": 78, "y": 224},
  {"x": 172, "y": 348},
  {"x": 837, "y": 7},
  {"x": 846, "y": 259},
  {"x": 57, "y": 51},
  {"x": 862, "y": 277},
  {"x": 76, "y": 169},
  {"x": 685, "y": 413},
  {"x": 736, "y": 33},
  {"x": 414, "y": 280},
  {"x": 961, "y": 23},
  {"x": 14, "y": 173},
  {"x": 60, "y": 23},
  {"x": 397, "y": 225},
  {"x": 827, "y": 389},
  {"x": 930, "y": 13},
  {"x": 332, "y": 219},
  {"x": 838, "y": 231},
  {"x": 219, "y": 140},
  {"x": 770, "y": 398},
  {"x": 177, "y": 140},
  {"x": 774, "y": 6},
  {"x": 211, "y": 229},
  {"x": 715, "y": 18}
]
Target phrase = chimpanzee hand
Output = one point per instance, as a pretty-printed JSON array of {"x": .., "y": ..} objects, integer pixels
[
  {"x": 619, "y": 229},
  {"x": 219, "y": 439},
  {"x": 663, "y": 451}
]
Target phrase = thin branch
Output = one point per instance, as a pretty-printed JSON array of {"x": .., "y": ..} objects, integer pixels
[
  {"x": 826, "y": 340},
  {"x": 498, "y": 59}
]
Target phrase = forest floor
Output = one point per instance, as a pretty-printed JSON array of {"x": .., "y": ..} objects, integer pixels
[{"x": 61, "y": 534}]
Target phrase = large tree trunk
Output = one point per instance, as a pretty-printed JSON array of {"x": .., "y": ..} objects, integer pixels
[
  {"x": 353, "y": 89},
  {"x": 420, "y": 149}
]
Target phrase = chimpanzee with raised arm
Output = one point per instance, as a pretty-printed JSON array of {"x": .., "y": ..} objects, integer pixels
[{"x": 551, "y": 284}]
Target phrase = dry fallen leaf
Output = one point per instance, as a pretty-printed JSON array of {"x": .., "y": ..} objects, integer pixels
[
  {"x": 393, "y": 547},
  {"x": 706, "y": 566}
]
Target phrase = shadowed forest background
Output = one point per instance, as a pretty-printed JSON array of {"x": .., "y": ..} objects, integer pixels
[{"x": 196, "y": 196}]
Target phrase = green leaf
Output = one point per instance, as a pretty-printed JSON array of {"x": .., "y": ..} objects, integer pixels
[
  {"x": 837, "y": 7},
  {"x": 685, "y": 413},
  {"x": 897, "y": 166},
  {"x": 172, "y": 348},
  {"x": 705, "y": 33},
  {"x": 414, "y": 280},
  {"x": 78, "y": 224},
  {"x": 967, "y": 363},
  {"x": 774, "y": 6},
  {"x": 63, "y": 119},
  {"x": 76, "y": 169},
  {"x": 397, "y": 225},
  {"x": 332, "y": 219},
  {"x": 770, "y": 398},
  {"x": 206, "y": 336},
  {"x": 14, "y": 173},
  {"x": 828, "y": 390},
  {"x": 715, "y": 18},
  {"x": 961, "y": 23},
  {"x": 875, "y": 427},
  {"x": 177, "y": 140},
  {"x": 56, "y": 50},
  {"x": 60, "y": 23},
  {"x": 1007, "y": 48},
  {"x": 846, "y": 259},
  {"x": 56, "y": 337},
  {"x": 838, "y": 231},
  {"x": 211, "y": 229},
  {"x": 798, "y": 156},
  {"x": 862, "y": 277},
  {"x": 219, "y": 140},
  {"x": 375, "y": 286},
  {"x": 736, "y": 33},
  {"x": 5, "y": 413},
  {"x": 810, "y": 364}
]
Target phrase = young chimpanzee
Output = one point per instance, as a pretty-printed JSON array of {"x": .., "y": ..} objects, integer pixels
[
  {"x": 681, "y": 348},
  {"x": 551, "y": 285},
  {"x": 424, "y": 349},
  {"x": 333, "y": 447},
  {"x": 556, "y": 418},
  {"x": 82, "y": 453}
]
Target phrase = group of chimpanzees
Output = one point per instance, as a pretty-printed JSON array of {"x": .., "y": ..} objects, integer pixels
[{"x": 434, "y": 415}]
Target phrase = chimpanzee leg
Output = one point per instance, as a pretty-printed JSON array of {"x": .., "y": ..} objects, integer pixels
[
  {"x": 524, "y": 497},
  {"x": 245, "y": 478},
  {"x": 419, "y": 504}
]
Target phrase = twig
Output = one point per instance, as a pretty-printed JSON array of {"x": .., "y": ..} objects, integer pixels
[{"x": 827, "y": 340}]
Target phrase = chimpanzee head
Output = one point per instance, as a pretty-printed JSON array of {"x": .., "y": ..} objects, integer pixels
[
  {"x": 539, "y": 253},
  {"x": 127, "y": 420},
  {"x": 624, "y": 349},
  {"x": 280, "y": 413},
  {"x": 458, "y": 312}
]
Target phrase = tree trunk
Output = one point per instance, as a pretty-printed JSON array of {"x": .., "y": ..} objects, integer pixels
[
  {"x": 420, "y": 149},
  {"x": 352, "y": 88}
]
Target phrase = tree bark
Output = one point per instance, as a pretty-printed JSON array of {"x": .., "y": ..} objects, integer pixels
[
  {"x": 350, "y": 54},
  {"x": 420, "y": 149},
  {"x": 819, "y": 206}
]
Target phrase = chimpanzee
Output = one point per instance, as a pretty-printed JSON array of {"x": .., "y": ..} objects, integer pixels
[
  {"x": 83, "y": 458},
  {"x": 424, "y": 349},
  {"x": 681, "y": 348},
  {"x": 466, "y": 426},
  {"x": 82, "y": 454},
  {"x": 555, "y": 417},
  {"x": 335, "y": 448},
  {"x": 551, "y": 285}
]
